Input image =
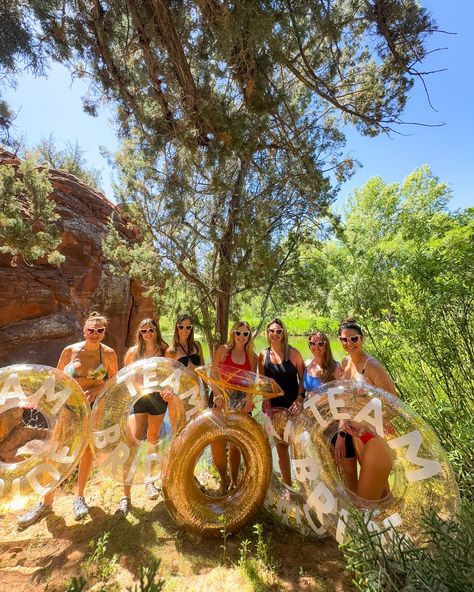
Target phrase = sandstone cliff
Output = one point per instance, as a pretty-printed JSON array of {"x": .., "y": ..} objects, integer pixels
[{"x": 42, "y": 307}]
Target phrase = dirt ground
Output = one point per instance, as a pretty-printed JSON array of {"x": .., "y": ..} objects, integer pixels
[{"x": 46, "y": 555}]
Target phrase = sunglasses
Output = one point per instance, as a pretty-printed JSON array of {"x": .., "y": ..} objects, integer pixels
[
  {"x": 314, "y": 343},
  {"x": 244, "y": 333},
  {"x": 91, "y": 331},
  {"x": 145, "y": 331},
  {"x": 354, "y": 339},
  {"x": 277, "y": 331},
  {"x": 185, "y": 327}
]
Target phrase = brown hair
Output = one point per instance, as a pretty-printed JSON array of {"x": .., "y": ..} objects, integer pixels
[
  {"x": 249, "y": 347},
  {"x": 284, "y": 337},
  {"x": 96, "y": 316},
  {"x": 350, "y": 323},
  {"x": 190, "y": 341},
  {"x": 328, "y": 362},
  {"x": 158, "y": 340}
]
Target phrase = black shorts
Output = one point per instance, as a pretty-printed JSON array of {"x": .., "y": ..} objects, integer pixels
[
  {"x": 153, "y": 404},
  {"x": 350, "y": 450}
]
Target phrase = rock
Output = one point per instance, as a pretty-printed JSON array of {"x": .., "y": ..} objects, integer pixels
[{"x": 43, "y": 307}]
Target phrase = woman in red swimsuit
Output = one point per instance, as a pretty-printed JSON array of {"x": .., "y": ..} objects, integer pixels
[
  {"x": 372, "y": 452},
  {"x": 238, "y": 353}
]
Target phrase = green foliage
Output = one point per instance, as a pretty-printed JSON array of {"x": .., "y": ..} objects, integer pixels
[
  {"x": 444, "y": 563},
  {"x": 403, "y": 264},
  {"x": 71, "y": 159},
  {"x": 98, "y": 565},
  {"x": 149, "y": 580},
  {"x": 257, "y": 567},
  {"x": 28, "y": 214},
  {"x": 222, "y": 519},
  {"x": 76, "y": 584}
]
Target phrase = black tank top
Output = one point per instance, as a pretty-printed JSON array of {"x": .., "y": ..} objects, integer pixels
[{"x": 286, "y": 376}]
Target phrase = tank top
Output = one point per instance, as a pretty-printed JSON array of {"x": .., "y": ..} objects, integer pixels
[{"x": 286, "y": 376}]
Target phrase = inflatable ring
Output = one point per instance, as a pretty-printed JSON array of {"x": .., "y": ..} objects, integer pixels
[
  {"x": 117, "y": 451},
  {"x": 236, "y": 385},
  {"x": 391, "y": 441},
  {"x": 191, "y": 507},
  {"x": 287, "y": 504},
  {"x": 43, "y": 421}
]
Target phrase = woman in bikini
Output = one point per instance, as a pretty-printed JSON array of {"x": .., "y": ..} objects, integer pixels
[
  {"x": 91, "y": 364},
  {"x": 322, "y": 367},
  {"x": 149, "y": 411},
  {"x": 237, "y": 353},
  {"x": 186, "y": 350},
  {"x": 285, "y": 365},
  {"x": 373, "y": 453}
]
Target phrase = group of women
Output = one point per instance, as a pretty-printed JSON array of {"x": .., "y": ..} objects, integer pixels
[{"x": 92, "y": 363}]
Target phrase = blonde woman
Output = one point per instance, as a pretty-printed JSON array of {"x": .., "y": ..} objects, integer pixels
[
  {"x": 149, "y": 411},
  {"x": 91, "y": 364},
  {"x": 285, "y": 365},
  {"x": 237, "y": 353}
]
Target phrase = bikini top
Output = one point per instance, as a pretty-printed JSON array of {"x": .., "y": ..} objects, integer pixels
[
  {"x": 195, "y": 359},
  {"x": 361, "y": 375},
  {"x": 311, "y": 382},
  {"x": 100, "y": 373}
]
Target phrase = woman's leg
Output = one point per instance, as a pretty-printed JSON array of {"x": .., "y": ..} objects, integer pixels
[
  {"x": 219, "y": 458},
  {"x": 376, "y": 464},
  {"x": 85, "y": 467},
  {"x": 284, "y": 462},
  {"x": 349, "y": 466},
  {"x": 234, "y": 462},
  {"x": 136, "y": 425},
  {"x": 154, "y": 426}
]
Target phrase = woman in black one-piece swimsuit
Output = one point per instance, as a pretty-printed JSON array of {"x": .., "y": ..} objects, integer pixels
[{"x": 285, "y": 365}]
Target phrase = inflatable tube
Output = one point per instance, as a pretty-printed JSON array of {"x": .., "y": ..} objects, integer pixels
[
  {"x": 126, "y": 458},
  {"x": 285, "y": 504},
  {"x": 187, "y": 503},
  {"x": 388, "y": 436},
  {"x": 44, "y": 420}
]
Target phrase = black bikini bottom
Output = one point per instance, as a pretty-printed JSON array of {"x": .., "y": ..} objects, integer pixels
[{"x": 152, "y": 404}]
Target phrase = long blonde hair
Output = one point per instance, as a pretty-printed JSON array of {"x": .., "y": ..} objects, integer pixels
[
  {"x": 249, "y": 346},
  {"x": 158, "y": 340},
  {"x": 328, "y": 363},
  {"x": 284, "y": 338}
]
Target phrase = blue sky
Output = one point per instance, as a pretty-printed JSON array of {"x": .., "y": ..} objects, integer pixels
[{"x": 53, "y": 105}]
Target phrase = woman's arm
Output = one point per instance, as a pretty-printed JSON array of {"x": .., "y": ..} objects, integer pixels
[
  {"x": 219, "y": 354},
  {"x": 379, "y": 377},
  {"x": 65, "y": 357},
  {"x": 130, "y": 356},
  {"x": 112, "y": 362}
]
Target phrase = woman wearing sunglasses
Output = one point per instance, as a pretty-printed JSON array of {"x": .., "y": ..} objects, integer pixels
[
  {"x": 285, "y": 365},
  {"x": 149, "y": 411},
  {"x": 237, "y": 353},
  {"x": 322, "y": 367},
  {"x": 372, "y": 452},
  {"x": 91, "y": 364}
]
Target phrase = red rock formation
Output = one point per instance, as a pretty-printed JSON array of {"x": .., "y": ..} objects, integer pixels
[{"x": 43, "y": 307}]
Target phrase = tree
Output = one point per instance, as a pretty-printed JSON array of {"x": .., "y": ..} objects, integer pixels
[
  {"x": 230, "y": 111},
  {"x": 28, "y": 214}
]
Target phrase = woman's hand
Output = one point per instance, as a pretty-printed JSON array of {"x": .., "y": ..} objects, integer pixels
[
  {"x": 167, "y": 394},
  {"x": 249, "y": 405},
  {"x": 92, "y": 393},
  {"x": 266, "y": 406},
  {"x": 296, "y": 405}
]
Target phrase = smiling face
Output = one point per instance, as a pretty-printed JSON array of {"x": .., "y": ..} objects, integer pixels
[
  {"x": 147, "y": 333},
  {"x": 351, "y": 340},
  {"x": 242, "y": 334},
  {"x": 317, "y": 345},
  {"x": 94, "y": 331},
  {"x": 275, "y": 333}
]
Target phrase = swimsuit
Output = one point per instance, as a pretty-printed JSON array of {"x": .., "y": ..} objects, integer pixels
[
  {"x": 285, "y": 375},
  {"x": 195, "y": 359},
  {"x": 153, "y": 404},
  {"x": 350, "y": 450},
  {"x": 236, "y": 398},
  {"x": 100, "y": 373},
  {"x": 311, "y": 382}
]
